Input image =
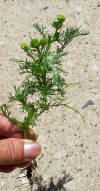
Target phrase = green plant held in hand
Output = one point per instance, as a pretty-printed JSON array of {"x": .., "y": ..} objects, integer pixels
[{"x": 44, "y": 85}]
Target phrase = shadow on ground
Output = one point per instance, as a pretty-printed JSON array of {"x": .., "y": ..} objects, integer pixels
[{"x": 59, "y": 186}]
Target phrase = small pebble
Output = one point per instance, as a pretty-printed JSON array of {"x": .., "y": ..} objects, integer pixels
[
  {"x": 89, "y": 157},
  {"x": 90, "y": 102},
  {"x": 98, "y": 5},
  {"x": 45, "y": 8},
  {"x": 66, "y": 155},
  {"x": 81, "y": 144},
  {"x": 86, "y": 43}
]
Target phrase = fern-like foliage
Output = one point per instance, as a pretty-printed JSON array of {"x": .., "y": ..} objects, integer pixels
[{"x": 44, "y": 85}]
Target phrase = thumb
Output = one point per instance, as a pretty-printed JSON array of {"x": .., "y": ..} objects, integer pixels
[{"x": 15, "y": 151}]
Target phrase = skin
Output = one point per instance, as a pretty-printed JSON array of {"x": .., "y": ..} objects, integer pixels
[{"x": 13, "y": 145}]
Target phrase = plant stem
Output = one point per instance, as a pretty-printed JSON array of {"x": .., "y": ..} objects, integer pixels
[{"x": 26, "y": 134}]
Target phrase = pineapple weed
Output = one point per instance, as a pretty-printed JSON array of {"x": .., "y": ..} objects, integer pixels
[{"x": 43, "y": 70}]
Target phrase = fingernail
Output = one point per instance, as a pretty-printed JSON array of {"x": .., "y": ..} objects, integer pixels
[{"x": 31, "y": 151}]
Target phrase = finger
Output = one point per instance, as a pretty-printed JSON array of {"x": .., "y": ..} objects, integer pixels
[
  {"x": 9, "y": 168},
  {"x": 32, "y": 135},
  {"x": 6, "y": 168},
  {"x": 22, "y": 165},
  {"x": 16, "y": 151},
  {"x": 7, "y": 129}
]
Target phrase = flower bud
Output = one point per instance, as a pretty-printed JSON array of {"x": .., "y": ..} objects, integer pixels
[
  {"x": 57, "y": 23},
  {"x": 42, "y": 68},
  {"x": 43, "y": 41},
  {"x": 61, "y": 18},
  {"x": 34, "y": 43},
  {"x": 23, "y": 45}
]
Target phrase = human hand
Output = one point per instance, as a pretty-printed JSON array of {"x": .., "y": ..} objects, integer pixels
[{"x": 15, "y": 151}]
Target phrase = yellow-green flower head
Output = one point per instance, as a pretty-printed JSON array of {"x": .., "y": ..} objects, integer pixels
[
  {"x": 34, "y": 43},
  {"x": 23, "y": 45},
  {"x": 61, "y": 17},
  {"x": 57, "y": 23},
  {"x": 43, "y": 41},
  {"x": 42, "y": 68}
]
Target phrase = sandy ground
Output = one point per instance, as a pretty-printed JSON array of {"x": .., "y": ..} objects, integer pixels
[{"x": 68, "y": 144}]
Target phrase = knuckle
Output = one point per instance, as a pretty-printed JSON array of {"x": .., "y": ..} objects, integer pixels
[{"x": 11, "y": 151}]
